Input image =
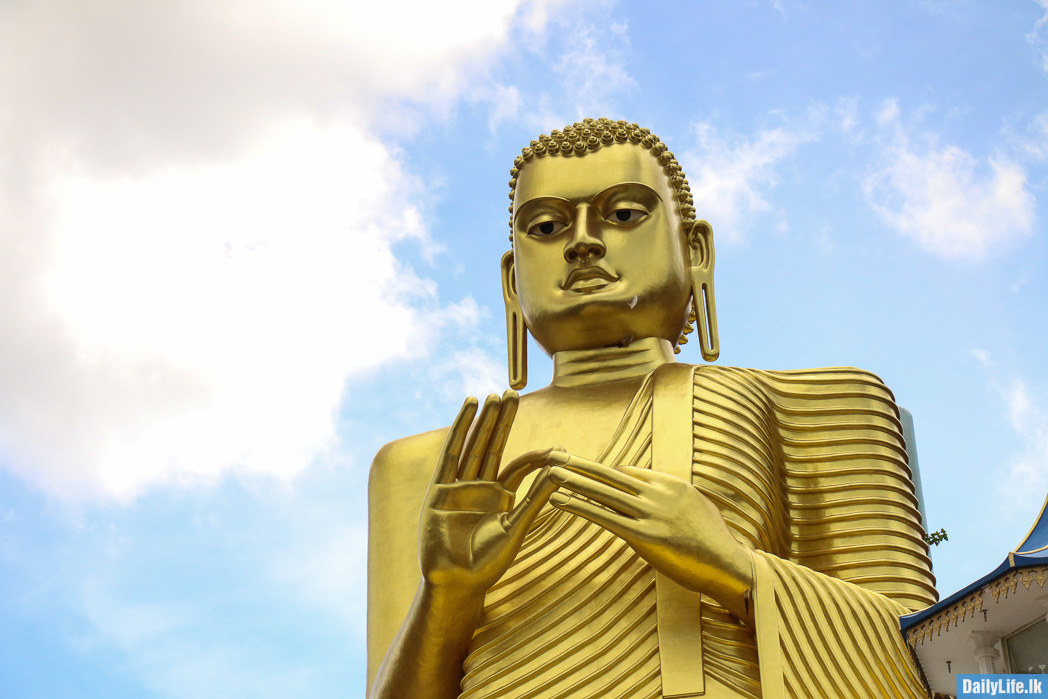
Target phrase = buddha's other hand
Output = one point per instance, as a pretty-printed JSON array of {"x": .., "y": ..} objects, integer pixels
[
  {"x": 470, "y": 530},
  {"x": 668, "y": 522}
]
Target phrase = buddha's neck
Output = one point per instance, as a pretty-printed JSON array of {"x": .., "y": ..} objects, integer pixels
[{"x": 572, "y": 368}]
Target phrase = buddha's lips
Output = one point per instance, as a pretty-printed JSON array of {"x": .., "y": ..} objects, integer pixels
[{"x": 592, "y": 273}]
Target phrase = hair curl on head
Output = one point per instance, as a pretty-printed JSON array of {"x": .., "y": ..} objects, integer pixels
[
  {"x": 588, "y": 135},
  {"x": 591, "y": 134}
]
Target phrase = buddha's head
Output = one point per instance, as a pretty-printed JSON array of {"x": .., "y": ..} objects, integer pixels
[{"x": 606, "y": 246}]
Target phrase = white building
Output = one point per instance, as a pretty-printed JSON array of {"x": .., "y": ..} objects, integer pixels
[{"x": 998, "y": 624}]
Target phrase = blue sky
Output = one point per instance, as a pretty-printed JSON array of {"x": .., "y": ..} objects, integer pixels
[{"x": 245, "y": 245}]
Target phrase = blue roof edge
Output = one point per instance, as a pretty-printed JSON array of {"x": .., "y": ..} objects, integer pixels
[
  {"x": 1014, "y": 561},
  {"x": 1032, "y": 551},
  {"x": 1036, "y": 540}
]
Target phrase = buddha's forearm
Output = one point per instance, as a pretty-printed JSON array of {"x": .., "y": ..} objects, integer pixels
[{"x": 425, "y": 659}]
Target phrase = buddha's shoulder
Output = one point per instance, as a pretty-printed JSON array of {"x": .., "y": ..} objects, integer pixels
[
  {"x": 409, "y": 457},
  {"x": 815, "y": 381}
]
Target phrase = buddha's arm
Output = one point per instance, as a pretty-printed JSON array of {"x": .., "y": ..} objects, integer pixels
[
  {"x": 848, "y": 490},
  {"x": 425, "y": 658},
  {"x": 400, "y": 476},
  {"x": 827, "y": 608},
  {"x": 467, "y": 535},
  {"x": 819, "y": 635}
]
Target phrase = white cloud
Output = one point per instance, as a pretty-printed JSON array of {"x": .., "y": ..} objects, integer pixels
[
  {"x": 1029, "y": 418},
  {"x": 1020, "y": 407},
  {"x": 505, "y": 104},
  {"x": 594, "y": 70},
  {"x": 941, "y": 196},
  {"x": 585, "y": 50},
  {"x": 471, "y": 372},
  {"x": 984, "y": 357},
  {"x": 538, "y": 12},
  {"x": 731, "y": 176},
  {"x": 166, "y": 645},
  {"x": 846, "y": 114},
  {"x": 212, "y": 315},
  {"x": 1038, "y": 37},
  {"x": 1033, "y": 142},
  {"x": 317, "y": 558},
  {"x": 129, "y": 623},
  {"x": 887, "y": 113},
  {"x": 229, "y": 593},
  {"x": 197, "y": 221},
  {"x": 124, "y": 82}
]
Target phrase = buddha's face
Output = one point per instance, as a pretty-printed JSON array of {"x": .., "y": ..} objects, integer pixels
[{"x": 600, "y": 256}]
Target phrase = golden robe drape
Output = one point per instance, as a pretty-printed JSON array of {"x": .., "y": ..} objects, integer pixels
[{"x": 809, "y": 469}]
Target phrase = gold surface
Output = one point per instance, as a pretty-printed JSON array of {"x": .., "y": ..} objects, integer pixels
[{"x": 641, "y": 528}]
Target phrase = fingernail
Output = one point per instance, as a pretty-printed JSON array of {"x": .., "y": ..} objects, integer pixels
[
  {"x": 558, "y": 457},
  {"x": 556, "y": 475}
]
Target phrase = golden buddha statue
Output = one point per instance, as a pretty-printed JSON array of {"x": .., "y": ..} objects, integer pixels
[{"x": 641, "y": 528}]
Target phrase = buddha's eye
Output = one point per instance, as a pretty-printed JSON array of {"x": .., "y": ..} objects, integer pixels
[
  {"x": 546, "y": 228},
  {"x": 626, "y": 215}
]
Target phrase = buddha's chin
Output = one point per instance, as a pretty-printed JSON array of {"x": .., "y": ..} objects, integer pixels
[{"x": 594, "y": 325}]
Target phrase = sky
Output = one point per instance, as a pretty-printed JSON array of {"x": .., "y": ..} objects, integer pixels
[{"x": 245, "y": 244}]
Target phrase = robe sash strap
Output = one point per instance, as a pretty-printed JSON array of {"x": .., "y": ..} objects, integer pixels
[{"x": 679, "y": 610}]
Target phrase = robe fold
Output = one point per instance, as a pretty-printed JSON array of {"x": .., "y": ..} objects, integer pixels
[{"x": 809, "y": 470}]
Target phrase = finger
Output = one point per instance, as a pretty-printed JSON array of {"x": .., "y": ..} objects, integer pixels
[
  {"x": 643, "y": 474},
  {"x": 447, "y": 462},
  {"x": 490, "y": 468},
  {"x": 648, "y": 475},
  {"x": 612, "y": 498},
  {"x": 605, "y": 474},
  {"x": 479, "y": 436},
  {"x": 614, "y": 522},
  {"x": 517, "y": 521},
  {"x": 518, "y": 469}
]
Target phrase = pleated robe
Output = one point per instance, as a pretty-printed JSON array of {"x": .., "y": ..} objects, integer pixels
[{"x": 809, "y": 470}]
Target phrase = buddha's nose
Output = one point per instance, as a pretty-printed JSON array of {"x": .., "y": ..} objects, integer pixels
[{"x": 585, "y": 243}]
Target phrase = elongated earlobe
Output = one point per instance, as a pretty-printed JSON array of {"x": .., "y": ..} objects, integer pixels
[
  {"x": 705, "y": 309},
  {"x": 703, "y": 298},
  {"x": 516, "y": 328}
]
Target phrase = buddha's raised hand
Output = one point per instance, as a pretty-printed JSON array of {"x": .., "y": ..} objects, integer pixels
[{"x": 470, "y": 529}]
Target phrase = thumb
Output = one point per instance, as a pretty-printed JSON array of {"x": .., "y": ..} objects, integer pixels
[
  {"x": 517, "y": 521},
  {"x": 517, "y": 470}
]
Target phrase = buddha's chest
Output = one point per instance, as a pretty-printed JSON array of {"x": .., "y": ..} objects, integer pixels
[{"x": 579, "y": 421}]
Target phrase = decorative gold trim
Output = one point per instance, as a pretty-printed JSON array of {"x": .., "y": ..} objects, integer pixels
[
  {"x": 1005, "y": 585},
  {"x": 1036, "y": 521},
  {"x": 968, "y": 606}
]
